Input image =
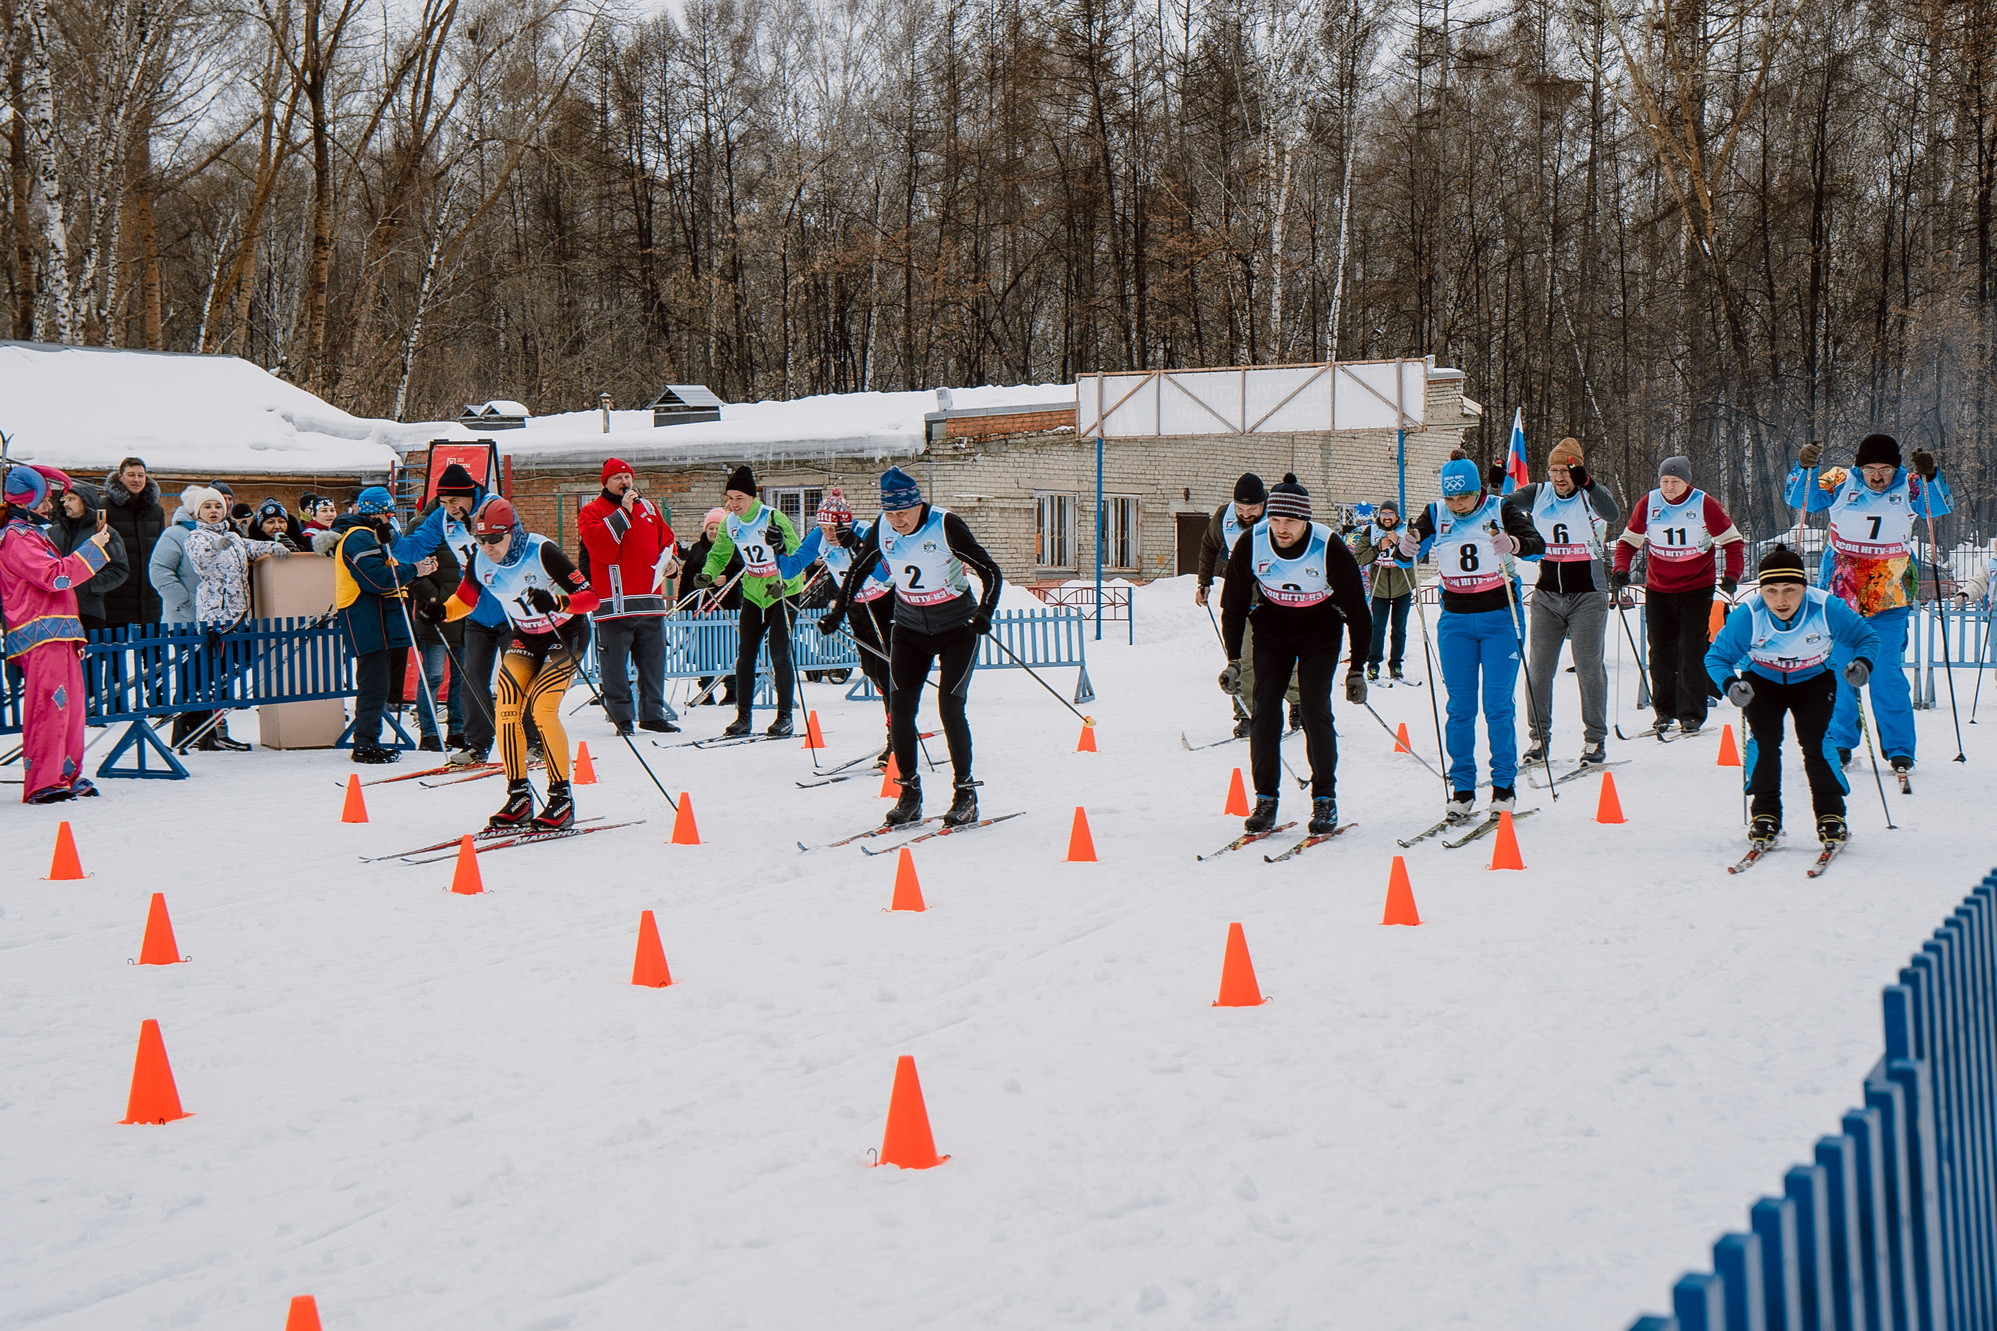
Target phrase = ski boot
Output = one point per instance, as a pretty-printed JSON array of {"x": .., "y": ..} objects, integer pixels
[
  {"x": 1901, "y": 763},
  {"x": 1534, "y": 755},
  {"x": 1504, "y": 799},
  {"x": 519, "y": 807},
  {"x": 964, "y": 808},
  {"x": 218, "y": 738},
  {"x": 1844, "y": 757},
  {"x": 1762, "y": 831},
  {"x": 1324, "y": 816},
  {"x": 1394, "y": 674},
  {"x": 1831, "y": 830},
  {"x": 780, "y": 728},
  {"x": 1460, "y": 805},
  {"x": 887, "y": 752},
  {"x": 659, "y": 724},
  {"x": 1296, "y": 716},
  {"x": 739, "y": 726},
  {"x": 559, "y": 812},
  {"x": 1264, "y": 816},
  {"x": 464, "y": 756},
  {"x": 1372, "y": 673},
  {"x": 430, "y": 744},
  {"x": 1660, "y": 727},
  {"x": 1595, "y": 755},
  {"x": 1688, "y": 727},
  {"x": 374, "y": 754},
  {"x": 1243, "y": 727},
  {"x": 908, "y": 808}
]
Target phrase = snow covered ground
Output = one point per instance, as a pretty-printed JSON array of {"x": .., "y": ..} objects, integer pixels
[{"x": 435, "y": 1111}]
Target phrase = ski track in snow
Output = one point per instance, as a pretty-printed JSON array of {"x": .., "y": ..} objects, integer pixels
[{"x": 433, "y": 1111}]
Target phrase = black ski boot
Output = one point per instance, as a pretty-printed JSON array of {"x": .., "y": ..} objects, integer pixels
[
  {"x": 1264, "y": 816},
  {"x": 1534, "y": 755},
  {"x": 218, "y": 738},
  {"x": 1372, "y": 673},
  {"x": 1324, "y": 816},
  {"x": 1461, "y": 806},
  {"x": 430, "y": 744},
  {"x": 1844, "y": 757},
  {"x": 1296, "y": 716},
  {"x": 374, "y": 754},
  {"x": 560, "y": 810},
  {"x": 739, "y": 726},
  {"x": 1762, "y": 831},
  {"x": 519, "y": 807},
  {"x": 1831, "y": 830},
  {"x": 1504, "y": 799},
  {"x": 887, "y": 752},
  {"x": 1595, "y": 755},
  {"x": 1394, "y": 674},
  {"x": 1243, "y": 727},
  {"x": 780, "y": 728},
  {"x": 1901, "y": 763},
  {"x": 908, "y": 808},
  {"x": 964, "y": 808}
]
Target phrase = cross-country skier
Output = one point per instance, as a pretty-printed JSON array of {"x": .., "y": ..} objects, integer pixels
[
  {"x": 1475, "y": 534},
  {"x": 1776, "y": 657},
  {"x": 761, "y": 535},
  {"x": 1681, "y": 527},
  {"x": 485, "y": 632},
  {"x": 872, "y": 608},
  {"x": 1869, "y": 565},
  {"x": 547, "y": 602},
  {"x": 1230, "y": 522},
  {"x": 936, "y": 621},
  {"x": 1395, "y": 586},
  {"x": 1297, "y": 585},
  {"x": 1573, "y": 514}
]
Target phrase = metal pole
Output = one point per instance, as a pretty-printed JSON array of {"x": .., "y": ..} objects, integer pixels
[
  {"x": 1401, "y": 467},
  {"x": 1101, "y": 531}
]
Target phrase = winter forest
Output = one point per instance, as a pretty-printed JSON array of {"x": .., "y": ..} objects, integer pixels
[{"x": 1724, "y": 229}]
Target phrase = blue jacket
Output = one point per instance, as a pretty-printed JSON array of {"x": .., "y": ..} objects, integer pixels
[
  {"x": 172, "y": 572},
  {"x": 423, "y": 542},
  {"x": 374, "y": 621},
  {"x": 1728, "y": 656}
]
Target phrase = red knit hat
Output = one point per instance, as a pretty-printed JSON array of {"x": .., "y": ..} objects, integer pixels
[
  {"x": 834, "y": 509},
  {"x": 613, "y": 467}
]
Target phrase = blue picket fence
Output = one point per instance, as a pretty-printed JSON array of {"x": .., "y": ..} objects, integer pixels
[{"x": 1893, "y": 1226}]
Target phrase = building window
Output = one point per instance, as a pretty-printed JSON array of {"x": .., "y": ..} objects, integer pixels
[
  {"x": 1120, "y": 535},
  {"x": 1054, "y": 531},
  {"x": 799, "y": 503}
]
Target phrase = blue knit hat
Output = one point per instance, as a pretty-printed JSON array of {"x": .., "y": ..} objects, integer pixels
[
  {"x": 374, "y": 500},
  {"x": 899, "y": 490},
  {"x": 26, "y": 487},
  {"x": 1460, "y": 477}
]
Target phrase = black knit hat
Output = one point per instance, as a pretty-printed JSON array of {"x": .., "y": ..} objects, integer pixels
[
  {"x": 1249, "y": 489},
  {"x": 1287, "y": 499},
  {"x": 1781, "y": 564},
  {"x": 1878, "y": 450},
  {"x": 741, "y": 480},
  {"x": 457, "y": 481}
]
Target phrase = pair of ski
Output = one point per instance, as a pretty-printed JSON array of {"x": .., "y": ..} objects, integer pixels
[
  {"x": 1250, "y": 838},
  {"x": 1532, "y": 778},
  {"x": 445, "y": 770},
  {"x": 1755, "y": 853},
  {"x": 497, "y": 839},
  {"x": 719, "y": 741},
  {"x": 479, "y": 773},
  {"x": 886, "y": 829},
  {"x": 1481, "y": 830},
  {"x": 832, "y": 776}
]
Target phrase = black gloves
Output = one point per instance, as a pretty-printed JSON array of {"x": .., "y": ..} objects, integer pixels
[
  {"x": 843, "y": 535},
  {"x": 1230, "y": 678},
  {"x": 1619, "y": 578},
  {"x": 1924, "y": 464},
  {"x": 1728, "y": 586},
  {"x": 1578, "y": 474},
  {"x": 1858, "y": 672},
  {"x": 1740, "y": 692},
  {"x": 1811, "y": 452},
  {"x": 981, "y": 623},
  {"x": 828, "y": 623},
  {"x": 431, "y": 612},
  {"x": 1355, "y": 687},
  {"x": 539, "y": 598},
  {"x": 775, "y": 536}
]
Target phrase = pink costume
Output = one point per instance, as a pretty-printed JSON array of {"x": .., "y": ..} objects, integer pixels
[{"x": 44, "y": 637}]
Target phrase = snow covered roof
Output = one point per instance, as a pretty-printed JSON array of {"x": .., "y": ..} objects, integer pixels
[
  {"x": 84, "y": 408},
  {"x": 874, "y": 425}
]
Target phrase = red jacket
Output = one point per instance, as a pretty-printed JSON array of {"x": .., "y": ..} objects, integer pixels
[
  {"x": 1695, "y": 573},
  {"x": 629, "y": 549}
]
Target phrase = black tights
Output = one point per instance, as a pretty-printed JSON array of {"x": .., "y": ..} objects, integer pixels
[
  {"x": 957, "y": 651},
  {"x": 1315, "y": 663},
  {"x": 774, "y": 621}
]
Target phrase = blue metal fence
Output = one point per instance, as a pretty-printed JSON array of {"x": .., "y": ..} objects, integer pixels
[{"x": 1893, "y": 1226}]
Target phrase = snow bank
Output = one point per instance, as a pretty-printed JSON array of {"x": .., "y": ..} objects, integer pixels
[{"x": 84, "y": 408}]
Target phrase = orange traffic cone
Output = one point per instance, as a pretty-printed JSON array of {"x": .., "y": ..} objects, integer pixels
[
  {"x": 304, "y": 1314},
  {"x": 1401, "y": 744},
  {"x": 1081, "y": 846},
  {"x": 891, "y": 780},
  {"x": 1400, "y": 896},
  {"x": 1087, "y": 743},
  {"x": 154, "y": 1098},
  {"x": 1609, "y": 809},
  {"x": 1729, "y": 751},
  {"x": 1237, "y": 797},
  {"x": 65, "y": 865},
  {"x": 814, "y": 738},
  {"x": 585, "y": 770},
  {"x": 1505, "y": 854},
  {"x": 158, "y": 947},
  {"x": 907, "y": 891},
  {"x": 465, "y": 880},
  {"x": 908, "y": 1142},
  {"x": 650, "y": 967},
  {"x": 356, "y": 809},
  {"x": 1237, "y": 974},
  {"x": 685, "y": 833}
]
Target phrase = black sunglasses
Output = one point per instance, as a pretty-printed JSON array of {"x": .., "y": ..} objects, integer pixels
[{"x": 493, "y": 537}]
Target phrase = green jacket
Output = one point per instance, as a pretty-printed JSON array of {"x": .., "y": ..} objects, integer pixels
[
  {"x": 762, "y": 592},
  {"x": 1391, "y": 578}
]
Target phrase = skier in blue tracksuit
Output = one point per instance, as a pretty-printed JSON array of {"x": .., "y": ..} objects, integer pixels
[
  {"x": 1869, "y": 564},
  {"x": 1474, "y": 534},
  {"x": 459, "y": 498},
  {"x": 1782, "y": 653}
]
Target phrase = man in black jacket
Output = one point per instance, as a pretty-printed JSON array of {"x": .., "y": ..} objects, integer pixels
[
  {"x": 132, "y": 509},
  {"x": 72, "y": 524}
]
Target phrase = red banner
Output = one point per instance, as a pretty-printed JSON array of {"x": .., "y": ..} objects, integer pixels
[{"x": 479, "y": 457}]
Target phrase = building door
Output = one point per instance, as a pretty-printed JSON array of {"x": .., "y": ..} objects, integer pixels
[{"x": 1192, "y": 530}]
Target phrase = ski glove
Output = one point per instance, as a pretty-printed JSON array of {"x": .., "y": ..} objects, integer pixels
[
  {"x": 775, "y": 536},
  {"x": 1577, "y": 474},
  {"x": 1355, "y": 688},
  {"x": 1410, "y": 543},
  {"x": 1230, "y": 678},
  {"x": 828, "y": 624},
  {"x": 538, "y": 598},
  {"x": 1728, "y": 586},
  {"x": 1811, "y": 452},
  {"x": 431, "y": 612},
  {"x": 1740, "y": 692},
  {"x": 1505, "y": 543},
  {"x": 1619, "y": 578},
  {"x": 1924, "y": 464},
  {"x": 1858, "y": 672},
  {"x": 981, "y": 623}
]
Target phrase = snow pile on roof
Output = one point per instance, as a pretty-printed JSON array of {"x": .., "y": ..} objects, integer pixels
[
  {"x": 876, "y": 425},
  {"x": 84, "y": 408}
]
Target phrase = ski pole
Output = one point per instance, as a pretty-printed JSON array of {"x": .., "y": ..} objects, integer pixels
[
  {"x": 1397, "y": 738},
  {"x": 1086, "y": 720},
  {"x": 1983, "y": 661},
  {"x": 1525, "y": 668},
  {"x": 1642, "y": 677},
  {"x": 1859, "y": 696},
  {"x": 1941, "y": 614},
  {"x": 888, "y": 661},
  {"x": 670, "y": 801},
  {"x": 422, "y": 676},
  {"x": 1435, "y": 713}
]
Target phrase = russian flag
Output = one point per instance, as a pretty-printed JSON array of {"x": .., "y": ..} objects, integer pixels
[{"x": 1515, "y": 470}]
